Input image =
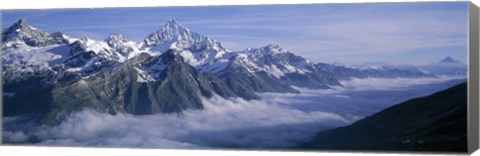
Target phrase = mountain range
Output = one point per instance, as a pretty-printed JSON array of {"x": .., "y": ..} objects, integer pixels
[{"x": 49, "y": 75}]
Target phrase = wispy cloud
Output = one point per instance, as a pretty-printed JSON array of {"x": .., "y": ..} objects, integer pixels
[
  {"x": 337, "y": 32},
  {"x": 351, "y": 34}
]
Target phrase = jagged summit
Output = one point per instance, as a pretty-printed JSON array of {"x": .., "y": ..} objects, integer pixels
[
  {"x": 168, "y": 72},
  {"x": 273, "y": 45},
  {"x": 273, "y": 48},
  {"x": 21, "y": 23},
  {"x": 85, "y": 38},
  {"x": 172, "y": 31},
  {"x": 120, "y": 44},
  {"x": 172, "y": 23},
  {"x": 175, "y": 29},
  {"x": 23, "y": 34},
  {"x": 195, "y": 48},
  {"x": 21, "y": 26},
  {"x": 268, "y": 49},
  {"x": 60, "y": 37},
  {"x": 22, "y": 20},
  {"x": 115, "y": 36}
]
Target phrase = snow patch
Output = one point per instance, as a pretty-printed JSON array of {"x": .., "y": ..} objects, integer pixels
[{"x": 143, "y": 76}]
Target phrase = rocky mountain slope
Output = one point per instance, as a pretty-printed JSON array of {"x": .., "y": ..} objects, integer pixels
[{"x": 49, "y": 75}]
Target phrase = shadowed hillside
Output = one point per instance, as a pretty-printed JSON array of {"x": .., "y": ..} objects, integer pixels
[{"x": 434, "y": 123}]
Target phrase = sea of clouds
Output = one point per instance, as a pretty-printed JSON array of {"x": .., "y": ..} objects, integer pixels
[{"x": 276, "y": 121}]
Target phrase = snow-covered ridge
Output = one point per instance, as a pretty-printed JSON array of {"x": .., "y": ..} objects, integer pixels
[
  {"x": 118, "y": 43},
  {"x": 174, "y": 34},
  {"x": 28, "y": 47},
  {"x": 21, "y": 34},
  {"x": 273, "y": 60},
  {"x": 18, "y": 65},
  {"x": 29, "y": 51},
  {"x": 196, "y": 49}
]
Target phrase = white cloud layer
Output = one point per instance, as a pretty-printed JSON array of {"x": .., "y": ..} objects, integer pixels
[
  {"x": 277, "y": 121},
  {"x": 223, "y": 123}
]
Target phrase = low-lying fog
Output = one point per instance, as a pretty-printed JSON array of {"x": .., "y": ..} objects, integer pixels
[{"x": 276, "y": 121}]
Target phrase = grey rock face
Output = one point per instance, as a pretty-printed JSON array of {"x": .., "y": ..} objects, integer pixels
[
  {"x": 120, "y": 44},
  {"x": 273, "y": 69},
  {"x": 177, "y": 86},
  {"x": 22, "y": 33},
  {"x": 170, "y": 71}
]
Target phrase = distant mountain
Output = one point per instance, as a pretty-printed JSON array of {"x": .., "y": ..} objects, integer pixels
[
  {"x": 372, "y": 65},
  {"x": 52, "y": 74},
  {"x": 372, "y": 70},
  {"x": 434, "y": 123},
  {"x": 448, "y": 59},
  {"x": 447, "y": 67}
]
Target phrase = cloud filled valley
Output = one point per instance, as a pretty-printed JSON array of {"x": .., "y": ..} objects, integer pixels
[
  {"x": 279, "y": 120},
  {"x": 181, "y": 89}
]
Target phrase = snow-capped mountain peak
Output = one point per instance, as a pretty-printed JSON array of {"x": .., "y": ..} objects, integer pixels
[
  {"x": 273, "y": 49},
  {"x": 273, "y": 60},
  {"x": 195, "y": 48},
  {"x": 99, "y": 48},
  {"x": 86, "y": 39},
  {"x": 174, "y": 25},
  {"x": 121, "y": 45},
  {"x": 172, "y": 31},
  {"x": 23, "y": 34},
  {"x": 175, "y": 36},
  {"x": 114, "y": 37},
  {"x": 21, "y": 24},
  {"x": 268, "y": 50}
]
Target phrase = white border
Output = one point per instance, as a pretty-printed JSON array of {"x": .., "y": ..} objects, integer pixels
[{"x": 44, "y": 4}]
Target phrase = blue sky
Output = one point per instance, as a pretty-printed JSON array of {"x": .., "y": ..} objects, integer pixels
[{"x": 397, "y": 33}]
